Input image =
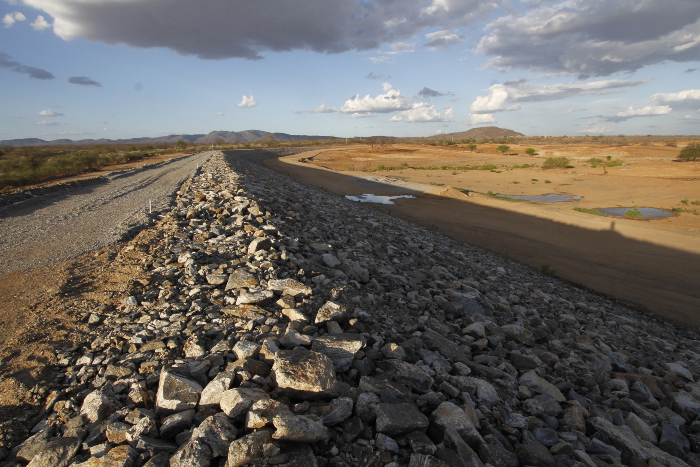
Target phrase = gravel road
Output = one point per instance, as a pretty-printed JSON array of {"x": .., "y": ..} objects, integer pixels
[{"x": 56, "y": 227}]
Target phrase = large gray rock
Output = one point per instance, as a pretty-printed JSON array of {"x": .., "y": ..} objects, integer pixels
[
  {"x": 248, "y": 448},
  {"x": 330, "y": 311},
  {"x": 217, "y": 432},
  {"x": 395, "y": 419},
  {"x": 35, "y": 444},
  {"x": 541, "y": 386},
  {"x": 176, "y": 393},
  {"x": 96, "y": 406},
  {"x": 195, "y": 453},
  {"x": 449, "y": 416},
  {"x": 58, "y": 452},
  {"x": 241, "y": 279},
  {"x": 299, "y": 428},
  {"x": 340, "y": 410},
  {"x": 260, "y": 243},
  {"x": 340, "y": 348},
  {"x": 301, "y": 373},
  {"x": 412, "y": 376},
  {"x": 212, "y": 392},
  {"x": 288, "y": 287},
  {"x": 236, "y": 402}
]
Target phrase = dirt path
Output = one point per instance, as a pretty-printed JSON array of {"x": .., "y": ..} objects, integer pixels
[{"x": 630, "y": 260}]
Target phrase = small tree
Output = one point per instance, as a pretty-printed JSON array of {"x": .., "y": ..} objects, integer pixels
[
  {"x": 181, "y": 145},
  {"x": 529, "y": 151},
  {"x": 503, "y": 148},
  {"x": 690, "y": 152},
  {"x": 472, "y": 147},
  {"x": 555, "y": 163}
]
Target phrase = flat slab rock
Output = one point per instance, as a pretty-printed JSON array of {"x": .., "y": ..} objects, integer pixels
[{"x": 301, "y": 372}]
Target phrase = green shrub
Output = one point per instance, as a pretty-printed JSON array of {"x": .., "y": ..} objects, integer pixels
[
  {"x": 503, "y": 148},
  {"x": 556, "y": 163},
  {"x": 548, "y": 181},
  {"x": 595, "y": 212},
  {"x": 634, "y": 213},
  {"x": 690, "y": 152},
  {"x": 529, "y": 151}
]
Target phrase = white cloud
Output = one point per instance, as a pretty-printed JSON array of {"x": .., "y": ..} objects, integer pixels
[
  {"x": 11, "y": 18},
  {"x": 362, "y": 115},
  {"x": 45, "y": 123},
  {"x": 248, "y": 101},
  {"x": 49, "y": 113},
  {"x": 322, "y": 109},
  {"x": 220, "y": 113},
  {"x": 597, "y": 130},
  {"x": 594, "y": 37},
  {"x": 515, "y": 92},
  {"x": 422, "y": 112},
  {"x": 218, "y": 29},
  {"x": 684, "y": 99},
  {"x": 40, "y": 24},
  {"x": 648, "y": 111},
  {"x": 442, "y": 39},
  {"x": 478, "y": 119},
  {"x": 390, "y": 101}
]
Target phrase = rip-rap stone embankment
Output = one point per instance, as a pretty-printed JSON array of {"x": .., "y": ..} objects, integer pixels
[{"x": 282, "y": 325}]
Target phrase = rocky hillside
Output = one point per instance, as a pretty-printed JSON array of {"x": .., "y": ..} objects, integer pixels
[{"x": 279, "y": 324}]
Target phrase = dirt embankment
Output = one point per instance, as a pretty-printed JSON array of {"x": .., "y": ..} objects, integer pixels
[{"x": 654, "y": 264}]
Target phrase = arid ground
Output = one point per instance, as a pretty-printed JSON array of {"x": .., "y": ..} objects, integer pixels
[{"x": 654, "y": 264}]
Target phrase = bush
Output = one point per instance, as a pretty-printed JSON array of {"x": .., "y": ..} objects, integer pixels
[
  {"x": 529, "y": 151},
  {"x": 503, "y": 148},
  {"x": 556, "y": 163},
  {"x": 634, "y": 213},
  {"x": 595, "y": 212},
  {"x": 690, "y": 152}
]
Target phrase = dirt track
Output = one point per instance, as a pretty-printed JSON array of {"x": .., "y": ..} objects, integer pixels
[{"x": 654, "y": 265}]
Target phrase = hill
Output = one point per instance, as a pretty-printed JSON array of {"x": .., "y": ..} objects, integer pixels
[
  {"x": 480, "y": 133},
  {"x": 248, "y": 136}
]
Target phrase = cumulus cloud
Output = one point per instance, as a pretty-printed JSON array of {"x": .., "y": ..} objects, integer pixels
[
  {"x": 248, "y": 101},
  {"x": 396, "y": 48},
  {"x": 648, "y": 111},
  {"x": 49, "y": 113},
  {"x": 84, "y": 81},
  {"x": 390, "y": 101},
  {"x": 422, "y": 112},
  {"x": 515, "y": 92},
  {"x": 362, "y": 115},
  {"x": 219, "y": 29},
  {"x": 36, "y": 73},
  {"x": 40, "y": 24},
  {"x": 10, "y": 19},
  {"x": 480, "y": 119},
  {"x": 594, "y": 37},
  {"x": 322, "y": 109},
  {"x": 442, "y": 39},
  {"x": 689, "y": 98}
]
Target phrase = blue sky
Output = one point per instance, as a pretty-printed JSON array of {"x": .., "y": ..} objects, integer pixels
[{"x": 124, "y": 68}]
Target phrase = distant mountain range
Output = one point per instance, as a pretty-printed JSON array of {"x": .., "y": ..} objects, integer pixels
[{"x": 249, "y": 136}]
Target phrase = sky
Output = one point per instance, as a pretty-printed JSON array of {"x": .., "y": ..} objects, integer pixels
[{"x": 82, "y": 69}]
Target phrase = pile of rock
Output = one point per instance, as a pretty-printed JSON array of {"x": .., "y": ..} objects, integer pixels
[{"x": 283, "y": 325}]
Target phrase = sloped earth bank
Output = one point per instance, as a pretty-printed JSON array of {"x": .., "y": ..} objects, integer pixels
[{"x": 272, "y": 323}]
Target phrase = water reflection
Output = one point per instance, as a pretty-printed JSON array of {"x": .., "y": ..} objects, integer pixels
[
  {"x": 370, "y": 198},
  {"x": 647, "y": 213},
  {"x": 550, "y": 198}
]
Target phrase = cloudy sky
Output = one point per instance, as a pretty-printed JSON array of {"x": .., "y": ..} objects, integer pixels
[{"x": 127, "y": 68}]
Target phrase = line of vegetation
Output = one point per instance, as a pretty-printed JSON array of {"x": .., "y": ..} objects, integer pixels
[
  {"x": 491, "y": 194},
  {"x": 595, "y": 212},
  {"x": 687, "y": 201},
  {"x": 404, "y": 166},
  {"x": 688, "y": 210},
  {"x": 556, "y": 163}
]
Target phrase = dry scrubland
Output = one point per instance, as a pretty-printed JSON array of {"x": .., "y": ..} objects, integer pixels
[{"x": 651, "y": 263}]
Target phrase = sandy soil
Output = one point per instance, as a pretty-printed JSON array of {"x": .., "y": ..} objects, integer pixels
[{"x": 653, "y": 264}]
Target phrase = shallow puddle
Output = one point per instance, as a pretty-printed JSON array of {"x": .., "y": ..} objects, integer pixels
[
  {"x": 647, "y": 213},
  {"x": 550, "y": 198},
  {"x": 370, "y": 198}
]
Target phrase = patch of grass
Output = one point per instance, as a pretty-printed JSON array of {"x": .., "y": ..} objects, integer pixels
[
  {"x": 595, "y": 212},
  {"x": 548, "y": 181},
  {"x": 524, "y": 166},
  {"x": 556, "y": 163},
  {"x": 547, "y": 270},
  {"x": 685, "y": 201},
  {"x": 535, "y": 180},
  {"x": 696, "y": 202},
  {"x": 515, "y": 182},
  {"x": 634, "y": 213},
  {"x": 689, "y": 211},
  {"x": 488, "y": 167},
  {"x": 490, "y": 194}
]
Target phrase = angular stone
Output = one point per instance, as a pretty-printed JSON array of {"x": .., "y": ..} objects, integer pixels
[
  {"x": 301, "y": 372},
  {"x": 395, "y": 419},
  {"x": 535, "y": 454},
  {"x": 216, "y": 279},
  {"x": 330, "y": 311},
  {"x": 119, "y": 456},
  {"x": 573, "y": 416},
  {"x": 299, "y": 428},
  {"x": 217, "y": 432},
  {"x": 672, "y": 440},
  {"x": 246, "y": 349},
  {"x": 35, "y": 444},
  {"x": 248, "y": 448},
  {"x": 238, "y": 401},
  {"x": 176, "y": 393},
  {"x": 411, "y": 376},
  {"x": 176, "y": 423},
  {"x": 57, "y": 453},
  {"x": 498, "y": 456},
  {"x": 541, "y": 386},
  {"x": 255, "y": 297},
  {"x": 240, "y": 278},
  {"x": 195, "y": 453},
  {"x": 340, "y": 348},
  {"x": 212, "y": 392},
  {"x": 260, "y": 243},
  {"x": 340, "y": 410},
  {"x": 450, "y": 416},
  {"x": 289, "y": 287},
  {"x": 96, "y": 406},
  {"x": 465, "y": 453},
  {"x": 641, "y": 429},
  {"x": 292, "y": 338},
  {"x": 364, "y": 406},
  {"x": 263, "y": 412},
  {"x": 680, "y": 370}
]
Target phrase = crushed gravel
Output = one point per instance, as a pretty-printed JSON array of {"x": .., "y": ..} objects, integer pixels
[{"x": 62, "y": 225}]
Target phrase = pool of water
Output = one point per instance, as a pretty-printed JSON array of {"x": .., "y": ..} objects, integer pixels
[
  {"x": 647, "y": 213},
  {"x": 550, "y": 198},
  {"x": 370, "y": 198}
]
